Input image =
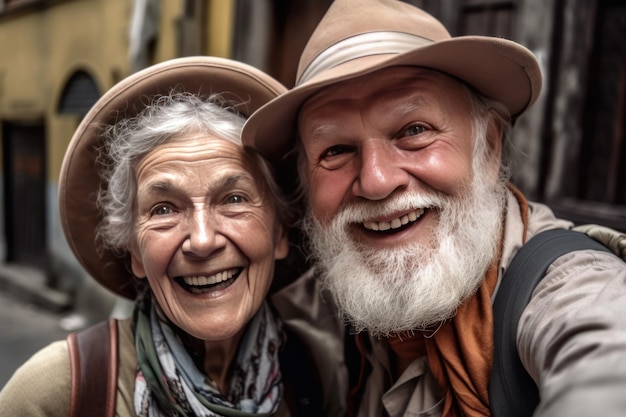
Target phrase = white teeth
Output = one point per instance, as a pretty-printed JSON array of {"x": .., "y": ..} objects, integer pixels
[
  {"x": 395, "y": 223},
  {"x": 371, "y": 225},
  {"x": 210, "y": 280}
]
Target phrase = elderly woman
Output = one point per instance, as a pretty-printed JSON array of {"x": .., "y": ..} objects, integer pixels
[{"x": 189, "y": 225}]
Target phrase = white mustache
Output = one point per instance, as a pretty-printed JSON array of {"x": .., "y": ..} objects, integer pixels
[{"x": 363, "y": 211}]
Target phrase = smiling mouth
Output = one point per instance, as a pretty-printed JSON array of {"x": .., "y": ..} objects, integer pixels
[
  {"x": 200, "y": 284},
  {"x": 395, "y": 225}
]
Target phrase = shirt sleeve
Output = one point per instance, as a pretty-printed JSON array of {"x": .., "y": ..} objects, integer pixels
[
  {"x": 572, "y": 336},
  {"x": 41, "y": 386}
]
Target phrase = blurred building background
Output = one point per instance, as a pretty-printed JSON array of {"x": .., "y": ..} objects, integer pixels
[{"x": 58, "y": 56}]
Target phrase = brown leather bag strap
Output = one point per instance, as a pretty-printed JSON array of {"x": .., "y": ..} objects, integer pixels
[{"x": 93, "y": 392}]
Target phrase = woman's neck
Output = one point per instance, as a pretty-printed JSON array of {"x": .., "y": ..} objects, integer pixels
[
  {"x": 214, "y": 358},
  {"x": 218, "y": 358}
]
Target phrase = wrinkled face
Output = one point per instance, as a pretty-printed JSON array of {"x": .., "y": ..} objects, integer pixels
[
  {"x": 404, "y": 209},
  {"x": 205, "y": 237},
  {"x": 399, "y": 129}
]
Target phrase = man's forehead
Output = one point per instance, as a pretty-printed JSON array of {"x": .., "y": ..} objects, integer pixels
[
  {"x": 377, "y": 83},
  {"x": 400, "y": 88}
]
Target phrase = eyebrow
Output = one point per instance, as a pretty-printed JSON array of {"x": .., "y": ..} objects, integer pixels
[
  {"x": 410, "y": 106},
  {"x": 324, "y": 129},
  {"x": 167, "y": 187},
  {"x": 231, "y": 180},
  {"x": 160, "y": 187}
]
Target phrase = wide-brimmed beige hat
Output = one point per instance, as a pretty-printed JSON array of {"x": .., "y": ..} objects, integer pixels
[
  {"x": 243, "y": 86},
  {"x": 357, "y": 37}
]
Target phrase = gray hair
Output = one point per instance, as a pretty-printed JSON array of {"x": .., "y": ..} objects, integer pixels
[
  {"x": 486, "y": 111},
  {"x": 128, "y": 141}
]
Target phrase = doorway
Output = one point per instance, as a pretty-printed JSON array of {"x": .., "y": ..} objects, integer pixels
[{"x": 25, "y": 193}]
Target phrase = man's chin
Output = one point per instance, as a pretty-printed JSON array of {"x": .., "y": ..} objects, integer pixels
[
  {"x": 376, "y": 329},
  {"x": 383, "y": 309},
  {"x": 411, "y": 287}
]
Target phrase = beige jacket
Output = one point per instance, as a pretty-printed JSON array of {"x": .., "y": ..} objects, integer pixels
[
  {"x": 41, "y": 386},
  {"x": 571, "y": 337}
]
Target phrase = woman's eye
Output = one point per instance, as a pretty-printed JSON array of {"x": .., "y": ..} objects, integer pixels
[
  {"x": 235, "y": 199},
  {"x": 161, "y": 210}
]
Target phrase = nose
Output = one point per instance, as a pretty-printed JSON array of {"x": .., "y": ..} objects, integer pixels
[
  {"x": 203, "y": 237},
  {"x": 380, "y": 172}
]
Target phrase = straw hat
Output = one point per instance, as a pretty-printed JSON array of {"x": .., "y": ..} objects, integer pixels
[
  {"x": 243, "y": 85},
  {"x": 357, "y": 37}
]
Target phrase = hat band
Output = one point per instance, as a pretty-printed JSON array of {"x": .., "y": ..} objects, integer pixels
[{"x": 359, "y": 46}]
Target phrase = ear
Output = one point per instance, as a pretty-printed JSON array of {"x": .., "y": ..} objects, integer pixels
[
  {"x": 136, "y": 263},
  {"x": 281, "y": 248},
  {"x": 494, "y": 143}
]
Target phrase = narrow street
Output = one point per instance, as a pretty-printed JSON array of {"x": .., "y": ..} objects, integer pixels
[{"x": 25, "y": 329}]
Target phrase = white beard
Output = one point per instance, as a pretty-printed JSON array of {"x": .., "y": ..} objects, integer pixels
[{"x": 414, "y": 286}]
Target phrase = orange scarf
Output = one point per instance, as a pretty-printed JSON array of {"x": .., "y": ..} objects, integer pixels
[{"x": 460, "y": 354}]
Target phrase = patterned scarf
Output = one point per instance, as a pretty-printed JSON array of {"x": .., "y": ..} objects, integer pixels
[{"x": 169, "y": 383}]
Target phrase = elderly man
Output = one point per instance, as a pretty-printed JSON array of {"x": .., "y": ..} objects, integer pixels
[{"x": 400, "y": 131}]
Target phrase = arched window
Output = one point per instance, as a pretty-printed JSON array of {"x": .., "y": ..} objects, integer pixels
[{"x": 79, "y": 94}]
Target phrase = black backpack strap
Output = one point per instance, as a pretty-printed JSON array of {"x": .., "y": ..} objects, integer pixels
[
  {"x": 512, "y": 391},
  {"x": 93, "y": 361},
  {"x": 303, "y": 389}
]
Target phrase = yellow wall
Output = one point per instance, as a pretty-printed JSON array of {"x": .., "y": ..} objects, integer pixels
[
  {"x": 44, "y": 44},
  {"x": 166, "y": 48},
  {"x": 220, "y": 27},
  {"x": 42, "y": 47},
  {"x": 21, "y": 86}
]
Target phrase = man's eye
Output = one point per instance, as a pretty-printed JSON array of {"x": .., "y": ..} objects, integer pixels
[
  {"x": 335, "y": 151},
  {"x": 413, "y": 130}
]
